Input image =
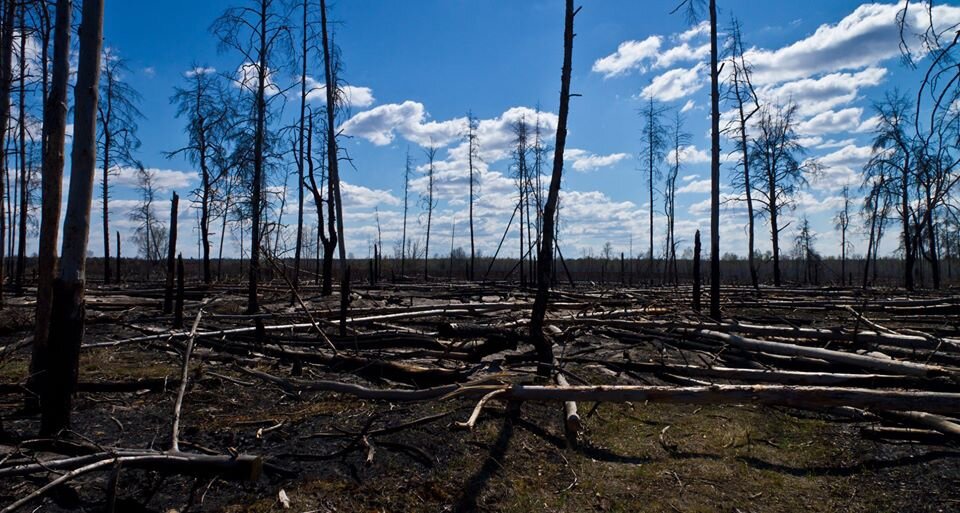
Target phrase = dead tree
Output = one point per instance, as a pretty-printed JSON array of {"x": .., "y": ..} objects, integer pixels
[
  {"x": 653, "y": 151},
  {"x": 714, "y": 167},
  {"x": 407, "y": 171},
  {"x": 543, "y": 346},
  {"x": 67, "y": 318},
  {"x": 696, "y": 271},
  {"x": 208, "y": 118},
  {"x": 327, "y": 239},
  {"x": 520, "y": 176},
  {"x": 22, "y": 126},
  {"x": 259, "y": 32},
  {"x": 740, "y": 91},
  {"x": 6, "y": 84},
  {"x": 171, "y": 253},
  {"x": 430, "y": 203},
  {"x": 892, "y": 155},
  {"x": 693, "y": 9},
  {"x": 333, "y": 94},
  {"x": 777, "y": 151},
  {"x": 842, "y": 222},
  {"x": 678, "y": 139},
  {"x": 472, "y": 153},
  {"x": 301, "y": 140},
  {"x": 117, "y": 135},
  {"x": 54, "y": 128}
]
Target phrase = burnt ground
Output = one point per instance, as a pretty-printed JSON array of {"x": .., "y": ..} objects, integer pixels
[{"x": 632, "y": 457}]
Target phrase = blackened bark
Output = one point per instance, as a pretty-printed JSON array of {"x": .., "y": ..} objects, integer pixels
[{"x": 541, "y": 343}]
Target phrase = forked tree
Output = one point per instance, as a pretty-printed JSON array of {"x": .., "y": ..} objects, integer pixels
[
  {"x": 54, "y": 129},
  {"x": 678, "y": 138},
  {"x": 893, "y": 158},
  {"x": 841, "y": 224},
  {"x": 741, "y": 93},
  {"x": 542, "y": 344},
  {"x": 67, "y": 318},
  {"x": 334, "y": 98}
]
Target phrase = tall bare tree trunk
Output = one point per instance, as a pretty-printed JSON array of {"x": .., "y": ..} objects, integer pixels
[
  {"x": 253, "y": 304},
  {"x": 542, "y": 344},
  {"x": 54, "y": 128},
  {"x": 471, "y": 141},
  {"x": 333, "y": 168},
  {"x": 908, "y": 251},
  {"x": 67, "y": 319},
  {"x": 714, "y": 168},
  {"x": 300, "y": 154},
  {"x": 22, "y": 122},
  {"x": 6, "y": 83}
]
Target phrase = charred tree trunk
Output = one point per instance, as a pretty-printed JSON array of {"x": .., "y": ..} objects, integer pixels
[
  {"x": 66, "y": 322},
  {"x": 171, "y": 256},
  {"x": 178, "y": 308},
  {"x": 22, "y": 122},
  {"x": 119, "y": 276},
  {"x": 714, "y": 168},
  {"x": 333, "y": 167},
  {"x": 696, "y": 271},
  {"x": 6, "y": 84},
  {"x": 908, "y": 252},
  {"x": 253, "y": 305},
  {"x": 543, "y": 346},
  {"x": 54, "y": 128},
  {"x": 301, "y": 151}
]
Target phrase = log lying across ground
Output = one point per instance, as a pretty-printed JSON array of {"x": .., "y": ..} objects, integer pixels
[
  {"x": 800, "y": 397},
  {"x": 841, "y": 357}
]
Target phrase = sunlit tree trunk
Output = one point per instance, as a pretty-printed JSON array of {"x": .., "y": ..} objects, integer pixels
[{"x": 67, "y": 318}]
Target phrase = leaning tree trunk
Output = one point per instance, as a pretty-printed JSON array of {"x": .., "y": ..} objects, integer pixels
[
  {"x": 714, "y": 169},
  {"x": 66, "y": 322},
  {"x": 54, "y": 127},
  {"x": 545, "y": 259}
]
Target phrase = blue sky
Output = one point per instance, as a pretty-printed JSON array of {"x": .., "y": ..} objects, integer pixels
[{"x": 420, "y": 66}]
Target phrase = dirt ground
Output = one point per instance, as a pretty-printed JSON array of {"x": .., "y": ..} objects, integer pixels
[{"x": 329, "y": 452}]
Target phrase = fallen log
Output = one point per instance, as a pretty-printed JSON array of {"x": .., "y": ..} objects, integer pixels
[
  {"x": 852, "y": 359},
  {"x": 783, "y": 377},
  {"x": 800, "y": 397}
]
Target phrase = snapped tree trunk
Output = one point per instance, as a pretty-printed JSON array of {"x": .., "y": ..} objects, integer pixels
[
  {"x": 545, "y": 259},
  {"x": 171, "y": 256},
  {"x": 66, "y": 322}
]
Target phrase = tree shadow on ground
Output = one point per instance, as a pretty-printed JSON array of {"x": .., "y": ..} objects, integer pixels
[{"x": 478, "y": 481}]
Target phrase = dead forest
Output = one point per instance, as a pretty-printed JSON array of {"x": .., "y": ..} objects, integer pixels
[{"x": 297, "y": 377}]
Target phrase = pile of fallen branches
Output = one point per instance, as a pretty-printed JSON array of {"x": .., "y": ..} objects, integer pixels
[{"x": 879, "y": 359}]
